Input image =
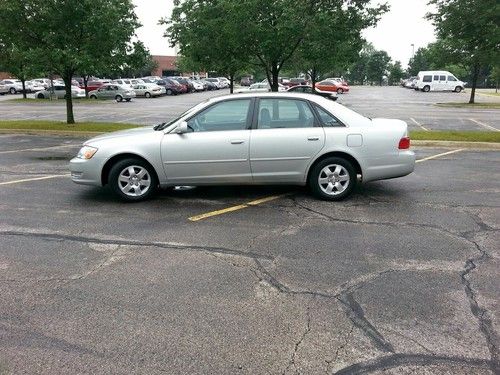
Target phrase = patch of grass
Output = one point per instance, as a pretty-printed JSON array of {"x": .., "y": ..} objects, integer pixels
[
  {"x": 460, "y": 136},
  {"x": 61, "y": 126},
  {"x": 467, "y": 105},
  {"x": 488, "y": 92}
]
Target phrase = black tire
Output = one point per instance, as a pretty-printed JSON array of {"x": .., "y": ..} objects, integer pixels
[
  {"x": 169, "y": 92},
  {"x": 40, "y": 96},
  {"x": 426, "y": 88},
  {"x": 340, "y": 91},
  {"x": 457, "y": 89},
  {"x": 128, "y": 100},
  {"x": 119, "y": 167},
  {"x": 147, "y": 95},
  {"x": 13, "y": 91},
  {"x": 93, "y": 97},
  {"x": 347, "y": 171},
  {"x": 119, "y": 98}
]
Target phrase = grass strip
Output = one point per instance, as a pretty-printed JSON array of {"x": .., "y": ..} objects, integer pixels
[
  {"x": 62, "y": 126},
  {"x": 459, "y": 136},
  {"x": 471, "y": 106}
]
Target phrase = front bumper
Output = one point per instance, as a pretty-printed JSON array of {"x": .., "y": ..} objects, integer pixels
[{"x": 86, "y": 172}]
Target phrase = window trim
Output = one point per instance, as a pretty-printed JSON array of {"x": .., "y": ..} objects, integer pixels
[
  {"x": 341, "y": 124},
  {"x": 249, "y": 119},
  {"x": 255, "y": 119}
]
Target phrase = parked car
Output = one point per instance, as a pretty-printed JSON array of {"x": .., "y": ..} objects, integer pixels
[
  {"x": 113, "y": 91},
  {"x": 148, "y": 90},
  {"x": 438, "y": 80},
  {"x": 171, "y": 87},
  {"x": 185, "y": 82},
  {"x": 297, "y": 81},
  {"x": 337, "y": 79},
  {"x": 3, "y": 89},
  {"x": 94, "y": 85},
  {"x": 13, "y": 85},
  {"x": 331, "y": 86},
  {"x": 210, "y": 85},
  {"x": 246, "y": 81},
  {"x": 409, "y": 83},
  {"x": 292, "y": 139},
  {"x": 45, "y": 82},
  {"x": 215, "y": 81},
  {"x": 122, "y": 82},
  {"x": 59, "y": 91},
  {"x": 33, "y": 86},
  {"x": 309, "y": 90},
  {"x": 225, "y": 82},
  {"x": 260, "y": 87},
  {"x": 198, "y": 85}
]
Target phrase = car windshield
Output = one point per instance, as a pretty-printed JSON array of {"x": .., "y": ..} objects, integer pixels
[{"x": 165, "y": 125}]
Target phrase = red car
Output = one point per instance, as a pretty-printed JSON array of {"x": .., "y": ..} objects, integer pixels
[
  {"x": 93, "y": 85},
  {"x": 332, "y": 86}
]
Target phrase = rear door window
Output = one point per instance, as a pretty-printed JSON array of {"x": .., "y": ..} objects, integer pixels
[{"x": 284, "y": 113}]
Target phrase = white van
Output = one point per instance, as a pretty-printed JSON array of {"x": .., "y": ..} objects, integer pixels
[{"x": 438, "y": 80}]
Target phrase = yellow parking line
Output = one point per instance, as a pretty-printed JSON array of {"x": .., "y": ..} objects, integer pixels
[
  {"x": 236, "y": 208},
  {"x": 439, "y": 155},
  {"x": 34, "y": 179}
]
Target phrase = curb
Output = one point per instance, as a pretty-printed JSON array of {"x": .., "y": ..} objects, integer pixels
[{"x": 458, "y": 144}]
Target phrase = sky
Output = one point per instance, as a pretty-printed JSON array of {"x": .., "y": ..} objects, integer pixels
[{"x": 396, "y": 31}]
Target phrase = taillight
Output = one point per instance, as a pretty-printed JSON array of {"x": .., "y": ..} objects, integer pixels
[{"x": 404, "y": 143}]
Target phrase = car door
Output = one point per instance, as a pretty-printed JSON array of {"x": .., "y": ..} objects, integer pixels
[
  {"x": 215, "y": 150},
  {"x": 285, "y": 138}
]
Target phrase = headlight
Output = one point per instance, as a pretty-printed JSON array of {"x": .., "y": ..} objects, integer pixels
[{"x": 86, "y": 152}]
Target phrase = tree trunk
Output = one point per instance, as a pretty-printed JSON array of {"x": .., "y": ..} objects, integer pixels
[
  {"x": 475, "y": 74},
  {"x": 313, "y": 78},
  {"x": 23, "y": 81},
  {"x": 85, "y": 83},
  {"x": 231, "y": 83},
  {"x": 70, "y": 118},
  {"x": 275, "y": 76}
]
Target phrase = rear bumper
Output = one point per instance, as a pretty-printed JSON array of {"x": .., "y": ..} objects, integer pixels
[{"x": 400, "y": 166}]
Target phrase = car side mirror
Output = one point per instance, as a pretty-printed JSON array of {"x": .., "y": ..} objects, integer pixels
[{"x": 182, "y": 128}]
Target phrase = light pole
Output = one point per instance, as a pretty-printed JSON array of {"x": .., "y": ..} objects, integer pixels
[{"x": 412, "y": 50}]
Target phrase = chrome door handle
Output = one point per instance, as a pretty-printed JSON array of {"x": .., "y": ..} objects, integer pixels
[
  {"x": 237, "y": 141},
  {"x": 313, "y": 138}
]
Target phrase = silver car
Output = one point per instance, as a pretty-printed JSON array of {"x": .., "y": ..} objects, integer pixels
[
  {"x": 59, "y": 92},
  {"x": 262, "y": 138},
  {"x": 113, "y": 91},
  {"x": 148, "y": 90}
]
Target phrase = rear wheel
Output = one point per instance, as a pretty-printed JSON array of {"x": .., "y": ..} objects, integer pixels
[
  {"x": 458, "y": 89},
  {"x": 169, "y": 92},
  {"x": 119, "y": 98},
  {"x": 426, "y": 88},
  {"x": 132, "y": 180},
  {"x": 93, "y": 97},
  {"x": 40, "y": 96},
  {"x": 13, "y": 91},
  {"x": 332, "y": 179},
  {"x": 147, "y": 95},
  {"x": 340, "y": 91}
]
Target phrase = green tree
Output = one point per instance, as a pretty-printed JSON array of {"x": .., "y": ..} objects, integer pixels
[
  {"x": 420, "y": 61},
  {"x": 469, "y": 30},
  {"x": 326, "y": 48},
  {"x": 377, "y": 65},
  {"x": 69, "y": 36},
  {"x": 22, "y": 62},
  {"x": 208, "y": 37},
  {"x": 396, "y": 73}
]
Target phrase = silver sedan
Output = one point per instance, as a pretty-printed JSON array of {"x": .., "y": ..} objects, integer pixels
[{"x": 264, "y": 138}]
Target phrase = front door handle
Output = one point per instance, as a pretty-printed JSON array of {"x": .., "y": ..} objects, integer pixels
[
  {"x": 237, "y": 141},
  {"x": 313, "y": 138}
]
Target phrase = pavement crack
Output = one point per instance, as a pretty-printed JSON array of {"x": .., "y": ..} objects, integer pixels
[
  {"x": 307, "y": 329},
  {"x": 157, "y": 244},
  {"x": 330, "y": 362},
  {"x": 357, "y": 315},
  {"x": 391, "y": 361}
]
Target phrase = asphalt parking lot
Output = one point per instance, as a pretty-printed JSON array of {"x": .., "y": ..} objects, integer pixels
[
  {"x": 402, "y": 278},
  {"x": 418, "y": 109}
]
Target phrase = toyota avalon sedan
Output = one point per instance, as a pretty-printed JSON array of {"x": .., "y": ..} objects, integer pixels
[{"x": 258, "y": 138}]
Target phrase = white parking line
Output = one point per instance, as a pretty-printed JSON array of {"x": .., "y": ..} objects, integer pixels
[
  {"x": 34, "y": 179},
  {"x": 419, "y": 124},
  {"x": 489, "y": 127},
  {"x": 39, "y": 149},
  {"x": 439, "y": 155}
]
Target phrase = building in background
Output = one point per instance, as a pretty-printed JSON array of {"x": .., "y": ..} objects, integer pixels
[{"x": 167, "y": 66}]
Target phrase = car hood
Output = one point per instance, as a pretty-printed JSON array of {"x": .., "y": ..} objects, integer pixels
[{"x": 135, "y": 132}]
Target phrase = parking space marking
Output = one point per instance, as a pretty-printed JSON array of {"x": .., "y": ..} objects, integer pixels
[
  {"x": 489, "y": 127},
  {"x": 39, "y": 149},
  {"x": 236, "y": 208},
  {"x": 419, "y": 124},
  {"x": 34, "y": 179},
  {"x": 439, "y": 155}
]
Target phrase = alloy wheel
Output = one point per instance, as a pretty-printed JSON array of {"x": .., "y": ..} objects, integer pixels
[
  {"x": 134, "y": 181},
  {"x": 333, "y": 179}
]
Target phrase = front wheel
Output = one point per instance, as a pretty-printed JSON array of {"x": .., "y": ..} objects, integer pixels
[
  {"x": 169, "y": 92},
  {"x": 118, "y": 98},
  {"x": 426, "y": 89},
  {"x": 340, "y": 91},
  {"x": 93, "y": 97},
  {"x": 333, "y": 179},
  {"x": 40, "y": 96},
  {"x": 147, "y": 95},
  {"x": 458, "y": 89},
  {"x": 13, "y": 91},
  {"x": 132, "y": 180}
]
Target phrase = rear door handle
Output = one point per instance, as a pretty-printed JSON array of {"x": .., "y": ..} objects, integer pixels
[
  {"x": 313, "y": 138},
  {"x": 237, "y": 141}
]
